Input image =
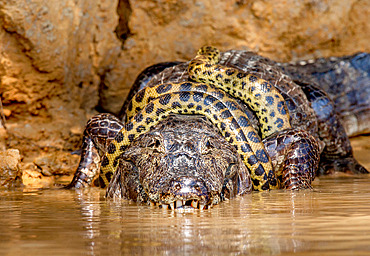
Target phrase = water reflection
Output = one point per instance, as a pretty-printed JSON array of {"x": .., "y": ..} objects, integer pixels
[{"x": 333, "y": 219}]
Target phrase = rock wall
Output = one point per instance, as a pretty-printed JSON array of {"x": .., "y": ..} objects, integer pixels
[
  {"x": 61, "y": 61},
  {"x": 282, "y": 30}
]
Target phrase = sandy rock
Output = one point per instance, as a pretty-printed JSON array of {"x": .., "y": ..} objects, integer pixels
[
  {"x": 281, "y": 30},
  {"x": 52, "y": 55},
  {"x": 60, "y": 61},
  {"x": 3, "y": 138},
  {"x": 58, "y": 163},
  {"x": 7, "y": 112},
  {"x": 10, "y": 174},
  {"x": 34, "y": 179}
]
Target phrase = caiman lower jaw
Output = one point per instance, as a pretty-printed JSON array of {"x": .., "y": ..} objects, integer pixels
[{"x": 183, "y": 204}]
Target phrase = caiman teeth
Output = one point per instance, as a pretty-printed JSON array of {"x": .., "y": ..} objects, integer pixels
[
  {"x": 178, "y": 203},
  {"x": 194, "y": 204},
  {"x": 202, "y": 206},
  {"x": 186, "y": 204}
]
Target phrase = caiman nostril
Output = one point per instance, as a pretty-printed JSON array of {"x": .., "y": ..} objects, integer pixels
[{"x": 186, "y": 188}]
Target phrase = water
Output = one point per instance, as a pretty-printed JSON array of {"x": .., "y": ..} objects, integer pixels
[{"x": 332, "y": 219}]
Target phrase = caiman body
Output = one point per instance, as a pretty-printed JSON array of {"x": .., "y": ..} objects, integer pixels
[{"x": 184, "y": 161}]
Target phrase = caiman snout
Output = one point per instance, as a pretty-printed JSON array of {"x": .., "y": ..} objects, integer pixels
[{"x": 185, "y": 192}]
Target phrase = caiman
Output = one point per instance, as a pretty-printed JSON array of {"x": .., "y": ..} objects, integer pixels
[{"x": 223, "y": 124}]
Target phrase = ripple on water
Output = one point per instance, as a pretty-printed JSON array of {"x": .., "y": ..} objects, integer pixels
[{"x": 333, "y": 219}]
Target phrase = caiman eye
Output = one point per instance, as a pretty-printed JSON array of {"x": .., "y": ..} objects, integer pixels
[
  {"x": 207, "y": 146},
  {"x": 155, "y": 144}
]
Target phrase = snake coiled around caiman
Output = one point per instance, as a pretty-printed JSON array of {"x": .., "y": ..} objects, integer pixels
[
  {"x": 281, "y": 112},
  {"x": 310, "y": 107}
]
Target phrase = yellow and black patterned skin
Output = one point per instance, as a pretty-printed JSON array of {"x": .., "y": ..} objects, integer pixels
[
  {"x": 156, "y": 103},
  {"x": 262, "y": 97},
  {"x": 288, "y": 158},
  {"x": 183, "y": 161},
  {"x": 310, "y": 107}
]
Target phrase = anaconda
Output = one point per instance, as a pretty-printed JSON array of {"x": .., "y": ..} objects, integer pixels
[
  {"x": 310, "y": 107},
  {"x": 285, "y": 151}
]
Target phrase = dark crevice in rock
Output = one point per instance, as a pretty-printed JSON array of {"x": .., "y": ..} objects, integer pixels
[
  {"x": 102, "y": 87},
  {"x": 103, "y": 98},
  {"x": 124, "y": 12},
  {"x": 122, "y": 32}
]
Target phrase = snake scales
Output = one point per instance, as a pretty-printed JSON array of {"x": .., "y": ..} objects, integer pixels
[
  {"x": 310, "y": 107},
  {"x": 219, "y": 108},
  {"x": 288, "y": 155},
  {"x": 262, "y": 97},
  {"x": 163, "y": 99}
]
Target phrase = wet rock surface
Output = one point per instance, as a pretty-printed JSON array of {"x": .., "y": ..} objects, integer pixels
[
  {"x": 10, "y": 173},
  {"x": 62, "y": 61}
]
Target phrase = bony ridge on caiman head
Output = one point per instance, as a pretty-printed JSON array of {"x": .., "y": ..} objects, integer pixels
[{"x": 216, "y": 127}]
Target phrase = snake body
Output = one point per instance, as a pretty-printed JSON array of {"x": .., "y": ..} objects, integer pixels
[
  {"x": 262, "y": 97},
  {"x": 310, "y": 108},
  {"x": 156, "y": 103},
  {"x": 267, "y": 104}
]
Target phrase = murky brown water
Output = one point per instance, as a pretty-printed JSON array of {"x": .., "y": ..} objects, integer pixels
[{"x": 333, "y": 219}]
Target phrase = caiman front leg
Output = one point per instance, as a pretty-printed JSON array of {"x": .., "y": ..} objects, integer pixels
[
  {"x": 295, "y": 156},
  {"x": 99, "y": 132}
]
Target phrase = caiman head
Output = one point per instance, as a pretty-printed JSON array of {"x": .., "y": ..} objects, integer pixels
[{"x": 183, "y": 162}]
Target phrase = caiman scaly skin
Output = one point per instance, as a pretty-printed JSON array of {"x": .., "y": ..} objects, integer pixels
[
  {"x": 346, "y": 80},
  {"x": 182, "y": 162},
  {"x": 309, "y": 106},
  {"x": 148, "y": 170},
  {"x": 243, "y": 138}
]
